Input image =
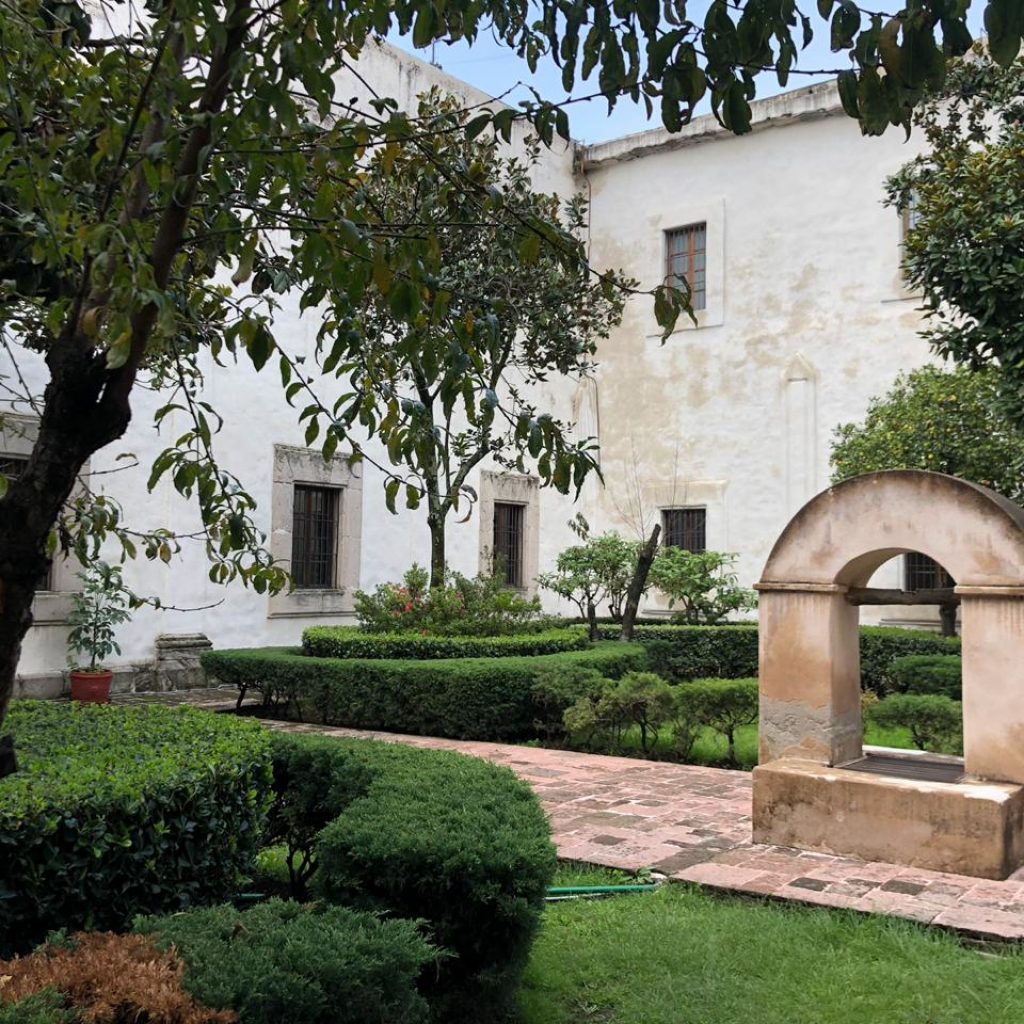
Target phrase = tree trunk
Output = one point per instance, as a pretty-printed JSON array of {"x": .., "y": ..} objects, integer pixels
[
  {"x": 437, "y": 550},
  {"x": 638, "y": 584},
  {"x": 437, "y": 512},
  {"x": 86, "y": 405},
  {"x": 592, "y": 619},
  {"x": 78, "y": 419},
  {"x": 947, "y": 612}
]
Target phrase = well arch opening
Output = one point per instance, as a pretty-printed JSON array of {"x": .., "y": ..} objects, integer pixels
[{"x": 896, "y": 737}]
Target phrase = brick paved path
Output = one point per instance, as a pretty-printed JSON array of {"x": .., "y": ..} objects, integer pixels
[{"x": 693, "y": 824}]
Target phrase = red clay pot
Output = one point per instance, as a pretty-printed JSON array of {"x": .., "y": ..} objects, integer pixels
[{"x": 91, "y": 687}]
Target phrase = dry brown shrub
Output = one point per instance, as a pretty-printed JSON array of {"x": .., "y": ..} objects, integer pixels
[{"x": 110, "y": 979}]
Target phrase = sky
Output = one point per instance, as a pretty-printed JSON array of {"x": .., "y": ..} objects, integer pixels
[{"x": 494, "y": 69}]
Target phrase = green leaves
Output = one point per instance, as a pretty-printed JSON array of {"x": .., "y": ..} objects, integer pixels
[
  {"x": 1004, "y": 23},
  {"x": 172, "y": 799},
  {"x": 669, "y": 302},
  {"x": 945, "y": 421},
  {"x": 963, "y": 254}
]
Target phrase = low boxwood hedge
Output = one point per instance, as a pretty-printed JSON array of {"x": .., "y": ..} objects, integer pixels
[
  {"x": 123, "y": 810},
  {"x": 647, "y": 632},
  {"x": 679, "y": 653},
  {"x": 880, "y": 646},
  {"x": 352, "y": 642},
  {"x": 731, "y": 652},
  {"x": 283, "y": 961},
  {"x": 458, "y": 843},
  {"x": 465, "y": 698},
  {"x": 940, "y": 674}
]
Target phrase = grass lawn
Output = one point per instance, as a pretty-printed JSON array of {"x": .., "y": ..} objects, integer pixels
[
  {"x": 680, "y": 956},
  {"x": 710, "y": 747}
]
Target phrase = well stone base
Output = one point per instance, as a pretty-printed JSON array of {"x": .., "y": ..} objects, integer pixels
[{"x": 966, "y": 828}]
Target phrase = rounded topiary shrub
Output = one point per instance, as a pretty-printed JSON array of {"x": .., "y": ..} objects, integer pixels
[
  {"x": 458, "y": 843},
  {"x": 283, "y": 961},
  {"x": 940, "y": 674},
  {"x": 117, "y": 811}
]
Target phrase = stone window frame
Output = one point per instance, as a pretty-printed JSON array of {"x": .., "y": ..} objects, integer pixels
[
  {"x": 679, "y": 214},
  {"x": 18, "y": 434},
  {"x": 294, "y": 465},
  {"x": 906, "y": 218},
  {"x": 512, "y": 489}
]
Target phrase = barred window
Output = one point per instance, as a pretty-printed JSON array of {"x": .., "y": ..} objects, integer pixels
[
  {"x": 923, "y": 573},
  {"x": 509, "y": 535},
  {"x": 910, "y": 214},
  {"x": 686, "y": 261},
  {"x": 685, "y": 528},
  {"x": 315, "y": 537}
]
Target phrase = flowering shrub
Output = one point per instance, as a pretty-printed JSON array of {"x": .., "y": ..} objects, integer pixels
[{"x": 483, "y": 606}]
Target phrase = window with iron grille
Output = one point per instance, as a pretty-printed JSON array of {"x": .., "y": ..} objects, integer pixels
[
  {"x": 12, "y": 466},
  {"x": 910, "y": 214},
  {"x": 509, "y": 534},
  {"x": 910, "y": 217},
  {"x": 923, "y": 573},
  {"x": 315, "y": 537},
  {"x": 684, "y": 528},
  {"x": 686, "y": 261}
]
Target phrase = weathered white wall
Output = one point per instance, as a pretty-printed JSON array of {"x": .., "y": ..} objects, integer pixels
[{"x": 807, "y": 316}]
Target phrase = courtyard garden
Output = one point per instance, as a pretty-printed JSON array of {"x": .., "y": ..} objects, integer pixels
[
  {"x": 174, "y": 866},
  {"x": 473, "y": 661},
  {"x": 170, "y": 865}
]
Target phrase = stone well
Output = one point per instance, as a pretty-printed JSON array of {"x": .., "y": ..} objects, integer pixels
[{"x": 811, "y": 789}]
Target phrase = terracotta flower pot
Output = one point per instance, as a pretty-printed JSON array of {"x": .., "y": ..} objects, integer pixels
[{"x": 91, "y": 687}]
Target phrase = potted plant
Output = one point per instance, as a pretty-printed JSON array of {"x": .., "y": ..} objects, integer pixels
[{"x": 103, "y": 604}]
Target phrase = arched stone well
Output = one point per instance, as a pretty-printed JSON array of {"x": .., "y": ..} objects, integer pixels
[{"x": 805, "y": 793}]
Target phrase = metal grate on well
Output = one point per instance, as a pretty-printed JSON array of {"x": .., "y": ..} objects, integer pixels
[{"x": 921, "y": 769}]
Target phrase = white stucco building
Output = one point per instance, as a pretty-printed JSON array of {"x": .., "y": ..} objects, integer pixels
[{"x": 722, "y": 431}]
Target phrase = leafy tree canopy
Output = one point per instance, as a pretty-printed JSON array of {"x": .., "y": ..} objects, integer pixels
[
  {"x": 448, "y": 379},
  {"x": 965, "y": 200},
  {"x": 946, "y": 421}
]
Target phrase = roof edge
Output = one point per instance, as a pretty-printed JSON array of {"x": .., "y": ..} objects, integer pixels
[{"x": 808, "y": 103}]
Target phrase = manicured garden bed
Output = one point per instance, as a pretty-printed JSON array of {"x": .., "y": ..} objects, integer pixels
[
  {"x": 117, "y": 811},
  {"x": 677, "y": 692},
  {"x": 681, "y": 956},
  {"x": 460, "y": 698},
  {"x": 428, "y": 867}
]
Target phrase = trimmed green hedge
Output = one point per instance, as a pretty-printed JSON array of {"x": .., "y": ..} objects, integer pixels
[
  {"x": 679, "y": 653},
  {"x": 117, "y": 811},
  {"x": 465, "y": 698},
  {"x": 935, "y": 722},
  {"x": 880, "y": 646},
  {"x": 352, "y": 642},
  {"x": 940, "y": 674},
  {"x": 456, "y": 842},
  {"x": 283, "y": 961},
  {"x": 648, "y": 632}
]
